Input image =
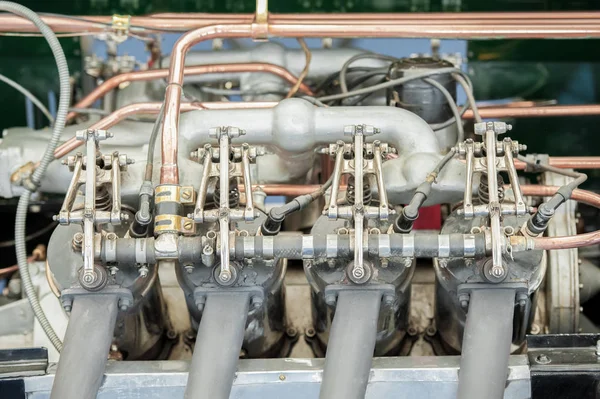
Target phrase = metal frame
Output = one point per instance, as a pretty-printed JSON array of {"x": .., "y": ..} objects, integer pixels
[{"x": 397, "y": 377}]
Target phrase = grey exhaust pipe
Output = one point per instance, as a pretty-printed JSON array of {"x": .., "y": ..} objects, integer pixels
[
  {"x": 351, "y": 344},
  {"x": 486, "y": 344},
  {"x": 86, "y": 345},
  {"x": 218, "y": 344}
]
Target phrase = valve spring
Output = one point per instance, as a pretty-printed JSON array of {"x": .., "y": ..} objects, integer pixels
[
  {"x": 351, "y": 191},
  {"x": 103, "y": 199},
  {"x": 234, "y": 194},
  {"x": 484, "y": 192}
]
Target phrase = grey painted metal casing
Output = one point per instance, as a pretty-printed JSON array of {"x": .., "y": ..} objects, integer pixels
[
  {"x": 290, "y": 131},
  {"x": 450, "y": 316},
  {"x": 393, "y": 317}
]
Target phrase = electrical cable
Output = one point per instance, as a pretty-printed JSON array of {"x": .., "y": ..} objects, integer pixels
[
  {"x": 537, "y": 224},
  {"x": 29, "y": 95},
  {"x": 304, "y": 73},
  {"x": 33, "y": 183},
  {"x": 331, "y": 78},
  {"x": 453, "y": 107},
  {"x": 272, "y": 224},
  {"x": 391, "y": 83},
  {"x": 467, "y": 86},
  {"x": 344, "y": 70},
  {"x": 405, "y": 220}
]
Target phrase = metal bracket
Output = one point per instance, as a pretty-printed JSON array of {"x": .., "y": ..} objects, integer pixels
[
  {"x": 388, "y": 291},
  {"x": 174, "y": 224},
  {"x": 68, "y": 295},
  {"x": 257, "y": 294},
  {"x": 463, "y": 291},
  {"x": 184, "y": 195},
  {"x": 260, "y": 26},
  {"x": 120, "y": 25}
]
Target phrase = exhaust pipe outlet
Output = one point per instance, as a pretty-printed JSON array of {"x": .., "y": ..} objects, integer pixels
[
  {"x": 486, "y": 344},
  {"x": 86, "y": 345},
  {"x": 351, "y": 345},
  {"x": 218, "y": 345}
]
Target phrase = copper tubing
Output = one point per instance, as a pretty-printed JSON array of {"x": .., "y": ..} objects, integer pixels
[
  {"x": 393, "y": 16},
  {"x": 152, "y": 109},
  {"x": 583, "y": 196},
  {"x": 478, "y": 25},
  {"x": 568, "y": 163},
  {"x": 153, "y": 74},
  {"x": 169, "y": 168},
  {"x": 169, "y": 171},
  {"x": 535, "y": 111}
]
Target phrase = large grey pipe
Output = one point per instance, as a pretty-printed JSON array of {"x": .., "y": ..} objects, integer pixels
[
  {"x": 218, "y": 345},
  {"x": 351, "y": 344},
  {"x": 86, "y": 345},
  {"x": 486, "y": 344},
  {"x": 291, "y": 130}
]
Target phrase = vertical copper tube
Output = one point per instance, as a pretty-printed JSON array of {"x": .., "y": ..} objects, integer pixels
[{"x": 169, "y": 170}]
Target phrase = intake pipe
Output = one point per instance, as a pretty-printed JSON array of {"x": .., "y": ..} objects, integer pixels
[
  {"x": 486, "y": 344},
  {"x": 86, "y": 345},
  {"x": 218, "y": 346},
  {"x": 351, "y": 344}
]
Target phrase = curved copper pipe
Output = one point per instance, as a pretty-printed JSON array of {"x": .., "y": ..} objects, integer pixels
[
  {"x": 153, "y": 74},
  {"x": 152, "y": 109},
  {"x": 169, "y": 170},
  {"x": 583, "y": 196}
]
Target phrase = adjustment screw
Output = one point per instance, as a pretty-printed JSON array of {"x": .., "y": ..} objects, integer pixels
[
  {"x": 188, "y": 225},
  {"x": 185, "y": 194},
  {"x": 189, "y": 268}
]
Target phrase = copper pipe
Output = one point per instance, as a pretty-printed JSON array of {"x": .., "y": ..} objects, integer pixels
[
  {"x": 393, "y": 16},
  {"x": 535, "y": 111},
  {"x": 568, "y": 163},
  {"x": 583, "y": 196},
  {"x": 153, "y": 74},
  {"x": 514, "y": 25},
  {"x": 169, "y": 170},
  {"x": 567, "y": 242},
  {"x": 152, "y": 109}
]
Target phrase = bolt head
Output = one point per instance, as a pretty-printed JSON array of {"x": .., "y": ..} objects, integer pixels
[
  {"x": 497, "y": 271},
  {"x": 225, "y": 276},
  {"x": 358, "y": 273}
]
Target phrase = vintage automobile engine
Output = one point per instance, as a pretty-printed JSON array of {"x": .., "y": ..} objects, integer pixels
[{"x": 212, "y": 187}]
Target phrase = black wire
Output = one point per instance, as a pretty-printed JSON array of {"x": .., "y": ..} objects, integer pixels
[
  {"x": 366, "y": 95},
  {"x": 331, "y": 78}
]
